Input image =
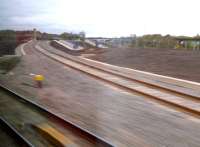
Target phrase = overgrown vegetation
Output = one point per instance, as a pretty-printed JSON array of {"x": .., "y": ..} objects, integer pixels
[
  {"x": 159, "y": 41},
  {"x": 155, "y": 41},
  {"x": 8, "y": 42},
  {"x": 8, "y": 62}
]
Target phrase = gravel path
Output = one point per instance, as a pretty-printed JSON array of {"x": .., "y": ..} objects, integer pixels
[{"x": 182, "y": 64}]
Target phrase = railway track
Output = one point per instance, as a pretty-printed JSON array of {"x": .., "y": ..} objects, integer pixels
[
  {"x": 26, "y": 122},
  {"x": 184, "y": 102},
  {"x": 20, "y": 140}
]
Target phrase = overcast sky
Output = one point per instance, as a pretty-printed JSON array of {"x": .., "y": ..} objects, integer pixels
[{"x": 108, "y": 18}]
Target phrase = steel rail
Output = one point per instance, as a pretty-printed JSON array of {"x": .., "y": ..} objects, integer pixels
[
  {"x": 168, "y": 102},
  {"x": 122, "y": 75},
  {"x": 21, "y": 140},
  {"x": 81, "y": 132}
]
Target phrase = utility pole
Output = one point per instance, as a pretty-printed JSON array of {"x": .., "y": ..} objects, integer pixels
[{"x": 34, "y": 34}]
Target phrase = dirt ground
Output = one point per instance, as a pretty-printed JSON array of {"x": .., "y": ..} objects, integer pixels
[
  {"x": 126, "y": 120},
  {"x": 183, "y": 64}
]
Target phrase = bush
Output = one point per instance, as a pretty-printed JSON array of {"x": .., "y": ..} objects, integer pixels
[
  {"x": 8, "y": 62},
  {"x": 7, "y": 42}
]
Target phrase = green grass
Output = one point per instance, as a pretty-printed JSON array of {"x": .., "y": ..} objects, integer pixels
[{"x": 8, "y": 62}]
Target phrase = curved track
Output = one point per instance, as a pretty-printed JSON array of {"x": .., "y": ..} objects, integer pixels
[{"x": 182, "y": 101}]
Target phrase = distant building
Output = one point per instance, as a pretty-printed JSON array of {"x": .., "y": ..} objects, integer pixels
[
  {"x": 122, "y": 41},
  {"x": 23, "y": 36},
  {"x": 188, "y": 42},
  {"x": 113, "y": 42}
]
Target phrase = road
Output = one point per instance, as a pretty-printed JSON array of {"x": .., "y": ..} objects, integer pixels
[{"x": 123, "y": 119}]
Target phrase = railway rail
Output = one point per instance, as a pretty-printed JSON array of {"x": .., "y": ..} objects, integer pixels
[
  {"x": 80, "y": 135},
  {"x": 184, "y": 102},
  {"x": 14, "y": 134}
]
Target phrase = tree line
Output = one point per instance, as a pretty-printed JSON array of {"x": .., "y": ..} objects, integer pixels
[
  {"x": 154, "y": 41},
  {"x": 8, "y": 42}
]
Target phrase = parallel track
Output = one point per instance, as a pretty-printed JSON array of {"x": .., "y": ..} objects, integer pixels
[
  {"x": 182, "y": 101},
  {"x": 14, "y": 134},
  {"x": 81, "y": 132}
]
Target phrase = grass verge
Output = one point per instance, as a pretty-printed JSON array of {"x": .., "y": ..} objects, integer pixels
[{"x": 8, "y": 62}]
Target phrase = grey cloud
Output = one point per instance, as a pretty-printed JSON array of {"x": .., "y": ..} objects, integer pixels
[{"x": 23, "y": 9}]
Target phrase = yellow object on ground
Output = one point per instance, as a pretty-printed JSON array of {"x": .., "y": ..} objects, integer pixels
[
  {"x": 54, "y": 136},
  {"x": 39, "y": 77}
]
